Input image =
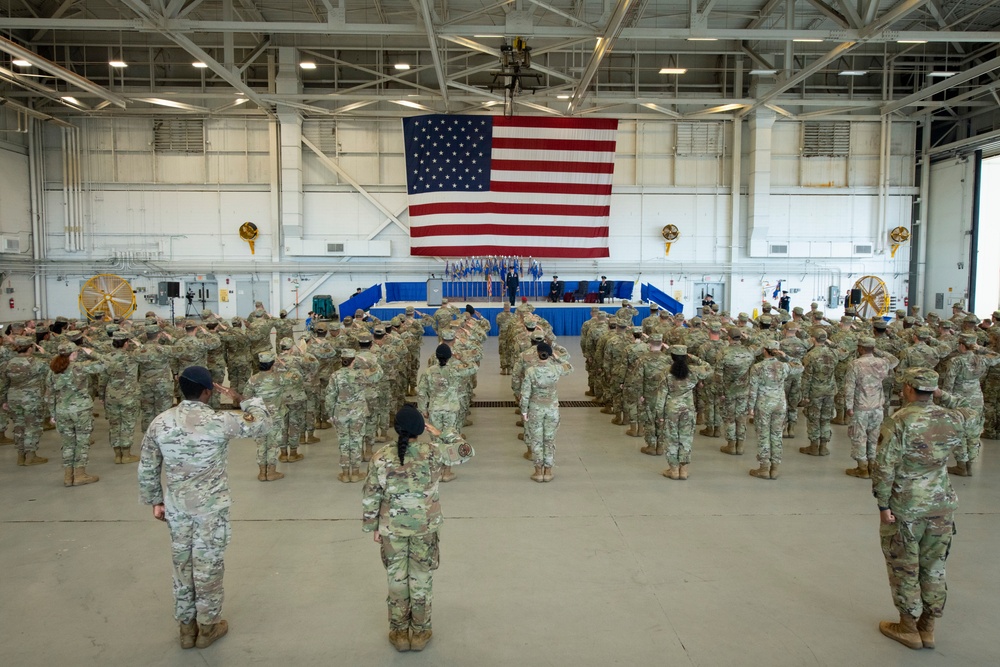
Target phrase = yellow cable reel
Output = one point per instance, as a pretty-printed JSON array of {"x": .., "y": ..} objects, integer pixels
[{"x": 874, "y": 297}]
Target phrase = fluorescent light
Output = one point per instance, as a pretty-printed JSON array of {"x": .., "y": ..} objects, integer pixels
[
  {"x": 241, "y": 100},
  {"x": 119, "y": 64},
  {"x": 807, "y": 41},
  {"x": 408, "y": 103},
  {"x": 942, "y": 74},
  {"x": 702, "y": 39},
  {"x": 911, "y": 41},
  {"x": 763, "y": 72},
  {"x": 71, "y": 100},
  {"x": 562, "y": 97},
  {"x": 307, "y": 65},
  {"x": 673, "y": 70},
  {"x": 853, "y": 72},
  {"x": 401, "y": 66},
  {"x": 199, "y": 65},
  {"x": 488, "y": 36},
  {"x": 21, "y": 63}
]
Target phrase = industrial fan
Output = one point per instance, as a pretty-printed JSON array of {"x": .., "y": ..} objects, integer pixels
[
  {"x": 107, "y": 296},
  {"x": 899, "y": 236},
  {"x": 248, "y": 232},
  {"x": 670, "y": 233},
  {"x": 874, "y": 297}
]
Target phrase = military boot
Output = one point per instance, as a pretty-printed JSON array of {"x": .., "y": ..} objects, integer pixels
[
  {"x": 80, "y": 477},
  {"x": 699, "y": 419},
  {"x": 791, "y": 429},
  {"x": 651, "y": 450},
  {"x": 4, "y": 440},
  {"x": 774, "y": 469},
  {"x": 118, "y": 454},
  {"x": 418, "y": 640},
  {"x": 682, "y": 472},
  {"x": 273, "y": 475},
  {"x": 547, "y": 474},
  {"x": 32, "y": 459},
  {"x": 366, "y": 453},
  {"x": 528, "y": 455},
  {"x": 606, "y": 410},
  {"x": 189, "y": 633},
  {"x": 763, "y": 472},
  {"x": 905, "y": 632},
  {"x": 642, "y": 430},
  {"x": 520, "y": 422},
  {"x": 48, "y": 425},
  {"x": 707, "y": 431},
  {"x": 262, "y": 473},
  {"x": 293, "y": 455},
  {"x": 824, "y": 449},
  {"x": 127, "y": 456},
  {"x": 208, "y": 634},
  {"x": 925, "y": 627},
  {"x": 447, "y": 475},
  {"x": 811, "y": 450},
  {"x": 784, "y": 431},
  {"x": 20, "y": 458},
  {"x": 381, "y": 437},
  {"x": 589, "y": 392},
  {"x": 311, "y": 438},
  {"x": 838, "y": 418},
  {"x": 468, "y": 422},
  {"x": 400, "y": 640},
  {"x": 739, "y": 447},
  {"x": 960, "y": 469},
  {"x": 659, "y": 451},
  {"x": 302, "y": 438},
  {"x": 861, "y": 471},
  {"x": 617, "y": 419},
  {"x": 283, "y": 456},
  {"x": 633, "y": 430},
  {"x": 717, "y": 432},
  {"x": 520, "y": 436},
  {"x": 323, "y": 424},
  {"x": 538, "y": 474},
  {"x": 356, "y": 475},
  {"x": 729, "y": 447},
  {"x": 673, "y": 472},
  {"x": 345, "y": 474},
  {"x": 67, "y": 476}
]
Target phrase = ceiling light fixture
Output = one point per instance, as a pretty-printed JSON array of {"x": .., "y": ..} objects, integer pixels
[
  {"x": 118, "y": 64},
  {"x": 763, "y": 72},
  {"x": 911, "y": 41},
  {"x": 853, "y": 72},
  {"x": 488, "y": 36},
  {"x": 562, "y": 97},
  {"x": 673, "y": 70},
  {"x": 241, "y": 100},
  {"x": 942, "y": 74},
  {"x": 20, "y": 63},
  {"x": 401, "y": 66},
  {"x": 199, "y": 65},
  {"x": 71, "y": 100},
  {"x": 702, "y": 39},
  {"x": 807, "y": 41},
  {"x": 307, "y": 65},
  {"x": 408, "y": 103}
]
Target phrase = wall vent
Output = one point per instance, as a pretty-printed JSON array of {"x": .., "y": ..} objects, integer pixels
[
  {"x": 335, "y": 247},
  {"x": 179, "y": 135},
  {"x": 778, "y": 250},
  {"x": 323, "y": 133},
  {"x": 11, "y": 244},
  {"x": 863, "y": 249},
  {"x": 826, "y": 139},
  {"x": 699, "y": 139}
]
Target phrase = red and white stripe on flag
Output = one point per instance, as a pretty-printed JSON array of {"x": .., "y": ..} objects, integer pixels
[{"x": 523, "y": 186}]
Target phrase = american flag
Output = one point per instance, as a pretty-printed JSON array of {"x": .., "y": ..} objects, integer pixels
[{"x": 501, "y": 185}]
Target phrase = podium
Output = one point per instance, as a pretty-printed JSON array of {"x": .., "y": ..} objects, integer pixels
[{"x": 435, "y": 290}]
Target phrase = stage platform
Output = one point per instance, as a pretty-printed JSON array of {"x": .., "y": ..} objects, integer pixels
[{"x": 565, "y": 318}]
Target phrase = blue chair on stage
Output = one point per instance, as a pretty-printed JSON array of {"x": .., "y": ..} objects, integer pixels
[{"x": 581, "y": 290}]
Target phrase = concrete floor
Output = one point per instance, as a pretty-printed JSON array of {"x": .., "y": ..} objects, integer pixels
[{"x": 608, "y": 564}]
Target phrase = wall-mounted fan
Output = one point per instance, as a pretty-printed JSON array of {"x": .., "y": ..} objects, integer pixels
[
  {"x": 670, "y": 233},
  {"x": 248, "y": 232},
  {"x": 899, "y": 236}
]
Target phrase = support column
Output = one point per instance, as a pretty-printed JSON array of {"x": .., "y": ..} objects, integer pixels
[
  {"x": 290, "y": 200},
  {"x": 759, "y": 182}
]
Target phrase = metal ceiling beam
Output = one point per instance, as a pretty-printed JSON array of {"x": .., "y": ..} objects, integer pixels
[
  {"x": 60, "y": 10},
  {"x": 604, "y": 45},
  {"x": 851, "y": 14},
  {"x": 566, "y": 15},
  {"x": 871, "y": 10},
  {"x": 950, "y": 82},
  {"x": 830, "y": 13},
  {"x": 425, "y": 12}
]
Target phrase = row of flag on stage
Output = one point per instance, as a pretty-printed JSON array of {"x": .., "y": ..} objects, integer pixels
[
  {"x": 500, "y": 185},
  {"x": 488, "y": 266}
]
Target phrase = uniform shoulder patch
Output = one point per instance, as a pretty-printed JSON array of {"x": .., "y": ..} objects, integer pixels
[
  {"x": 465, "y": 450},
  {"x": 247, "y": 417}
]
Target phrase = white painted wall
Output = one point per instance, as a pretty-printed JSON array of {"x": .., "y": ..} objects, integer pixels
[
  {"x": 988, "y": 273},
  {"x": 15, "y": 223},
  {"x": 948, "y": 233}
]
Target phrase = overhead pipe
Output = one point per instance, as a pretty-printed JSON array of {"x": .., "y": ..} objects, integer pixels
[
  {"x": 67, "y": 210},
  {"x": 37, "y": 238}
]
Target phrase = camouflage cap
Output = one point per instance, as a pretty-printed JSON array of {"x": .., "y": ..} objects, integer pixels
[
  {"x": 66, "y": 349},
  {"x": 119, "y": 335},
  {"x": 947, "y": 324},
  {"x": 320, "y": 326},
  {"x": 111, "y": 328},
  {"x": 613, "y": 323},
  {"x": 881, "y": 325},
  {"x": 772, "y": 345},
  {"x": 283, "y": 312},
  {"x": 715, "y": 326},
  {"x": 601, "y": 315},
  {"x": 637, "y": 330},
  {"x": 958, "y": 305},
  {"x": 625, "y": 302},
  {"x": 21, "y": 342},
  {"x": 996, "y": 314},
  {"x": 654, "y": 306},
  {"x": 656, "y": 339},
  {"x": 379, "y": 331},
  {"x": 967, "y": 339},
  {"x": 266, "y": 357},
  {"x": 931, "y": 317},
  {"x": 866, "y": 341},
  {"x": 813, "y": 305},
  {"x": 678, "y": 350},
  {"x": 190, "y": 324},
  {"x": 448, "y": 334},
  {"x": 348, "y": 353},
  {"x": 734, "y": 332},
  {"x": 237, "y": 321},
  {"x": 900, "y": 313},
  {"x": 921, "y": 379},
  {"x": 41, "y": 329},
  {"x": 365, "y": 337},
  {"x": 396, "y": 321},
  {"x": 359, "y": 313},
  {"x": 286, "y": 343},
  {"x": 696, "y": 320},
  {"x": 819, "y": 333},
  {"x": 909, "y": 319},
  {"x": 206, "y": 313},
  {"x": 766, "y": 305},
  {"x": 817, "y": 314},
  {"x": 664, "y": 313},
  {"x": 333, "y": 326},
  {"x": 538, "y": 335},
  {"x": 75, "y": 335},
  {"x": 846, "y": 320},
  {"x": 348, "y": 320},
  {"x": 923, "y": 333},
  {"x": 724, "y": 313},
  {"x": 970, "y": 319},
  {"x": 743, "y": 316},
  {"x": 850, "y": 310},
  {"x": 444, "y": 300},
  {"x": 62, "y": 318},
  {"x": 765, "y": 319},
  {"x": 152, "y": 330},
  {"x": 410, "y": 310}
]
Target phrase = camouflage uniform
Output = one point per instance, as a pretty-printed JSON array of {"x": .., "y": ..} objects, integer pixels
[
  {"x": 270, "y": 387},
  {"x": 909, "y": 478},
  {"x": 819, "y": 387},
  {"x": 863, "y": 396},
  {"x": 962, "y": 380},
  {"x": 324, "y": 348},
  {"x": 73, "y": 409},
  {"x": 400, "y": 501},
  {"x": 121, "y": 400},
  {"x": 371, "y": 388},
  {"x": 190, "y": 444},
  {"x": 504, "y": 319},
  {"x": 711, "y": 352},
  {"x": 654, "y": 367},
  {"x": 239, "y": 358},
  {"x": 296, "y": 369},
  {"x": 348, "y": 408},
  {"x": 674, "y": 408},
  {"x": 22, "y": 388},
  {"x": 736, "y": 363},
  {"x": 216, "y": 361},
  {"x": 769, "y": 407},
  {"x": 540, "y": 407},
  {"x": 796, "y": 348},
  {"x": 156, "y": 380},
  {"x": 627, "y": 312},
  {"x": 259, "y": 334},
  {"x": 439, "y": 393}
]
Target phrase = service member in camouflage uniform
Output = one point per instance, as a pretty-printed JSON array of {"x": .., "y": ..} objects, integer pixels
[
  {"x": 735, "y": 366},
  {"x": 401, "y": 506},
  {"x": 439, "y": 393},
  {"x": 674, "y": 408},
  {"x": 540, "y": 408},
  {"x": 269, "y": 386},
  {"x": 795, "y": 344},
  {"x": 768, "y": 406},
  {"x": 296, "y": 369},
  {"x": 864, "y": 402},
  {"x": 962, "y": 380},
  {"x": 819, "y": 388},
  {"x": 156, "y": 378},
  {"x": 324, "y": 347},
  {"x": 653, "y": 368},
  {"x": 239, "y": 359},
  {"x": 72, "y": 409},
  {"x": 711, "y": 352},
  {"x": 121, "y": 396},
  {"x": 348, "y": 409},
  {"x": 189, "y": 445},
  {"x": 22, "y": 391},
  {"x": 917, "y": 504}
]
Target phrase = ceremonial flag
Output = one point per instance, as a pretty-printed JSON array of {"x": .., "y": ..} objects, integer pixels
[
  {"x": 504, "y": 185},
  {"x": 777, "y": 291}
]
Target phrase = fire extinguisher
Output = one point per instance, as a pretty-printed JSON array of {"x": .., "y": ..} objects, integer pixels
[
  {"x": 906, "y": 301},
  {"x": 12, "y": 302}
]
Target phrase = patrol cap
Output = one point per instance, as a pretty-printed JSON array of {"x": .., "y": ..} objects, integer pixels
[
  {"x": 846, "y": 320},
  {"x": 410, "y": 310},
  {"x": 365, "y": 338},
  {"x": 924, "y": 333},
  {"x": 119, "y": 335},
  {"x": 931, "y": 316},
  {"x": 379, "y": 331},
  {"x": 696, "y": 320},
  {"x": 654, "y": 306},
  {"x": 664, "y": 314},
  {"x": 286, "y": 343},
  {"x": 62, "y": 318},
  {"x": 772, "y": 345},
  {"x": 819, "y": 333},
  {"x": 813, "y": 305},
  {"x": 637, "y": 330},
  {"x": 967, "y": 339},
  {"x": 656, "y": 339},
  {"x": 734, "y": 332},
  {"x": 743, "y": 316},
  {"x": 359, "y": 313},
  {"x": 724, "y": 313},
  {"x": 613, "y": 323},
  {"x": 198, "y": 375},
  {"x": 152, "y": 330},
  {"x": 150, "y": 313},
  {"x": 333, "y": 326},
  {"x": 348, "y": 353},
  {"x": 266, "y": 357},
  {"x": 900, "y": 313},
  {"x": 283, "y": 312},
  {"x": 958, "y": 305},
  {"x": 409, "y": 421},
  {"x": 866, "y": 341},
  {"x": 766, "y": 305},
  {"x": 850, "y": 310},
  {"x": 544, "y": 348},
  {"x": 396, "y": 321},
  {"x": 881, "y": 325},
  {"x": 947, "y": 324},
  {"x": 237, "y": 321},
  {"x": 190, "y": 324},
  {"x": 21, "y": 342},
  {"x": 530, "y": 324},
  {"x": 625, "y": 302},
  {"x": 818, "y": 314},
  {"x": 765, "y": 319},
  {"x": 921, "y": 379},
  {"x": 444, "y": 301},
  {"x": 41, "y": 329},
  {"x": 678, "y": 350},
  {"x": 111, "y": 328},
  {"x": 602, "y": 315},
  {"x": 538, "y": 335},
  {"x": 258, "y": 304},
  {"x": 970, "y": 319},
  {"x": 66, "y": 349},
  {"x": 321, "y": 326},
  {"x": 909, "y": 319},
  {"x": 75, "y": 335},
  {"x": 996, "y": 314},
  {"x": 448, "y": 334},
  {"x": 206, "y": 313},
  {"x": 348, "y": 320}
]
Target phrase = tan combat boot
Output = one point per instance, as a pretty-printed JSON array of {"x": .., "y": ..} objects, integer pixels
[
  {"x": 537, "y": 475},
  {"x": 118, "y": 454},
  {"x": 302, "y": 438},
  {"x": 528, "y": 455},
  {"x": 774, "y": 469},
  {"x": 80, "y": 477},
  {"x": 345, "y": 474},
  {"x": 283, "y": 456},
  {"x": 400, "y": 640},
  {"x": 729, "y": 447},
  {"x": 208, "y": 634},
  {"x": 617, "y": 419},
  {"x": 520, "y": 436},
  {"x": 366, "y": 453},
  {"x": 67, "y": 477},
  {"x": 589, "y": 392},
  {"x": 293, "y": 455},
  {"x": 468, "y": 422},
  {"x": 381, "y": 437},
  {"x": 447, "y": 475},
  {"x": 925, "y": 627},
  {"x": 861, "y": 471},
  {"x": 905, "y": 632},
  {"x": 127, "y": 456},
  {"x": 356, "y": 475},
  {"x": 273, "y": 475},
  {"x": 763, "y": 472},
  {"x": 311, "y": 438},
  {"x": 791, "y": 429},
  {"x": 546, "y": 474},
  {"x": 707, "y": 431},
  {"x": 633, "y": 430},
  {"x": 958, "y": 469},
  {"x": 606, "y": 410},
  {"x": 323, "y": 424},
  {"x": 20, "y": 458},
  {"x": 4, "y": 440},
  {"x": 838, "y": 418},
  {"x": 189, "y": 633},
  {"x": 739, "y": 447},
  {"x": 520, "y": 422},
  {"x": 262, "y": 473},
  {"x": 682, "y": 472},
  {"x": 642, "y": 430},
  {"x": 651, "y": 451},
  {"x": 824, "y": 449},
  {"x": 32, "y": 459},
  {"x": 659, "y": 451},
  {"x": 811, "y": 450},
  {"x": 673, "y": 472},
  {"x": 418, "y": 640}
]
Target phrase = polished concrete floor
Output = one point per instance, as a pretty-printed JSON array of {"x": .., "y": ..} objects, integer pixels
[{"x": 610, "y": 563}]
